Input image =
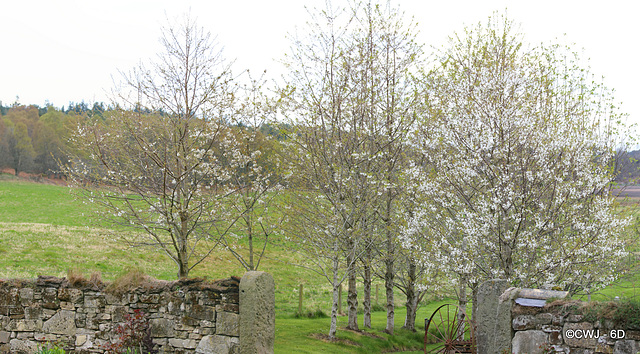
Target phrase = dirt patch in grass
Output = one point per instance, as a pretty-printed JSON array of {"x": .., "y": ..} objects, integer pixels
[
  {"x": 365, "y": 333},
  {"x": 8, "y": 174},
  {"x": 325, "y": 338}
]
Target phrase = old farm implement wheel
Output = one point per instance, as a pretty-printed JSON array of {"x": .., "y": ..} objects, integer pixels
[{"x": 447, "y": 331}]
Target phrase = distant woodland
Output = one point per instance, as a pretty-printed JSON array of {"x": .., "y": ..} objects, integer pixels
[
  {"x": 34, "y": 139},
  {"x": 629, "y": 168}
]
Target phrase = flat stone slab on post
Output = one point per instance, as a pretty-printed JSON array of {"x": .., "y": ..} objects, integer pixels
[
  {"x": 542, "y": 294},
  {"x": 257, "y": 313},
  {"x": 537, "y": 297},
  {"x": 530, "y": 302}
]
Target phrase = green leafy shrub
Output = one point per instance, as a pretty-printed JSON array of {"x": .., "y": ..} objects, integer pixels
[
  {"x": 50, "y": 349},
  {"x": 594, "y": 311},
  {"x": 627, "y": 314},
  {"x": 624, "y": 314},
  {"x": 378, "y": 308},
  {"x": 311, "y": 314}
]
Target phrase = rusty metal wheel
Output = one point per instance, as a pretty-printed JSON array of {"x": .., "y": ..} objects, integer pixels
[{"x": 448, "y": 331}]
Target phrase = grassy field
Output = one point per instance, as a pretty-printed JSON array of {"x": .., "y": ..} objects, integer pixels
[{"x": 44, "y": 231}]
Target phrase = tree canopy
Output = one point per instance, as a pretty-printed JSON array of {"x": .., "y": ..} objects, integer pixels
[{"x": 517, "y": 143}]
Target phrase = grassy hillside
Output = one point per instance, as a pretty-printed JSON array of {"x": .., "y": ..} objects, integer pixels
[
  {"x": 26, "y": 202},
  {"x": 43, "y": 230}
]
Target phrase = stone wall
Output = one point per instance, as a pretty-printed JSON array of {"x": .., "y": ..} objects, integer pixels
[
  {"x": 560, "y": 327},
  {"x": 192, "y": 316}
]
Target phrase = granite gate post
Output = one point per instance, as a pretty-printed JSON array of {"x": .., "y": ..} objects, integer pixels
[
  {"x": 493, "y": 333},
  {"x": 257, "y": 313}
]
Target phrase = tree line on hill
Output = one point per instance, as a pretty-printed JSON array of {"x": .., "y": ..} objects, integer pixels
[
  {"x": 33, "y": 138},
  {"x": 628, "y": 167},
  {"x": 36, "y": 140},
  {"x": 492, "y": 161}
]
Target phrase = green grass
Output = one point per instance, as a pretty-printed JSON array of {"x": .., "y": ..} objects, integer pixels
[
  {"x": 44, "y": 231},
  {"x": 627, "y": 286},
  {"x": 309, "y": 335},
  {"x": 26, "y": 202}
]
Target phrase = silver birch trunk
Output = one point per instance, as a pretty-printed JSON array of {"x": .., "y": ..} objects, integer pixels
[
  {"x": 412, "y": 299},
  {"x": 389, "y": 271},
  {"x": 388, "y": 285},
  {"x": 366, "y": 303},
  {"x": 352, "y": 296},
  {"x": 334, "y": 308},
  {"x": 336, "y": 288}
]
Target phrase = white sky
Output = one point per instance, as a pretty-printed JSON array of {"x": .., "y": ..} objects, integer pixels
[{"x": 67, "y": 50}]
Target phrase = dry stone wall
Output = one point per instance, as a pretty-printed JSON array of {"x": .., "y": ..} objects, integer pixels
[
  {"x": 512, "y": 320},
  {"x": 192, "y": 316},
  {"x": 556, "y": 328}
]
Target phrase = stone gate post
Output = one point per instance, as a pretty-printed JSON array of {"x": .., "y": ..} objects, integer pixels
[
  {"x": 493, "y": 333},
  {"x": 257, "y": 313}
]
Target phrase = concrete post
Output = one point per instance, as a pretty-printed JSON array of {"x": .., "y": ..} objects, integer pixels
[
  {"x": 493, "y": 333},
  {"x": 257, "y": 313}
]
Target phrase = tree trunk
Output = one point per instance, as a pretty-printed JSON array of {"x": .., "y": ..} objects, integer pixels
[
  {"x": 250, "y": 239},
  {"x": 388, "y": 285},
  {"x": 507, "y": 260},
  {"x": 16, "y": 164},
  {"x": 183, "y": 255},
  {"x": 183, "y": 268},
  {"x": 352, "y": 296},
  {"x": 462, "y": 303},
  {"x": 368, "y": 261},
  {"x": 340, "y": 300},
  {"x": 389, "y": 272},
  {"x": 412, "y": 309},
  {"x": 183, "y": 251},
  {"x": 474, "y": 299},
  {"x": 412, "y": 298},
  {"x": 334, "y": 308},
  {"x": 337, "y": 287},
  {"x": 390, "y": 257},
  {"x": 366, "y": 303}
]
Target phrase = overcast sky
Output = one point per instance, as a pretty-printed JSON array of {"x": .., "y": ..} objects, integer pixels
[{"x": 62, "y": 51}]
